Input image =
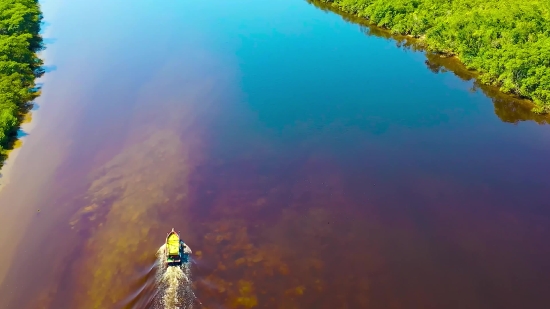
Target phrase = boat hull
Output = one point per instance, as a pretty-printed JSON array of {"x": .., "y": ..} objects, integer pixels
[{"x": 175, "y": 255}]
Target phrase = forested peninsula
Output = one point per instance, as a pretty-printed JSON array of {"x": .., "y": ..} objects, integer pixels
[
  {"x": 506, "y": 41},
  {"x": 20, "y": 40}
]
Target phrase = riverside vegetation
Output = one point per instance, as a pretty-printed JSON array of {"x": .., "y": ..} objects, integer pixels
[
  {"x": 20, "y": 41},
  {"x": 506, "y": 41}
]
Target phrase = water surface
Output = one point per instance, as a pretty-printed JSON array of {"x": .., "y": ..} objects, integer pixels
[{"x": 308, "y": 165}]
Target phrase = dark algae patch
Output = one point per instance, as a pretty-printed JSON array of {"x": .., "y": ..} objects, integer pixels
[
  {"x": 506, "y": 42},
  {"x": 19, "y": 64}
]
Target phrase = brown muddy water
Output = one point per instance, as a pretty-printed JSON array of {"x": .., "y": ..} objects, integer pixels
[{"x": 307, "y": 165}]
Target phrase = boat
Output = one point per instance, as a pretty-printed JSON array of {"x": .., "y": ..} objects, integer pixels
[{"x": 177, "y": 252}]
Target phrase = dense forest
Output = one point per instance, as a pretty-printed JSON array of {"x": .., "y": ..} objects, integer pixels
[
  {"x": 506, "y": 41},
  {"x": 20, "y": 40}
]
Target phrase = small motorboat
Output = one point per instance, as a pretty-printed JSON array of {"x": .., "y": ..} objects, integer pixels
[{"x": 177, "y": 252}]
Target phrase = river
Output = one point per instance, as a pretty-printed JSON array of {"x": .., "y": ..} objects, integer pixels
[{"x": 309, "y": 162}]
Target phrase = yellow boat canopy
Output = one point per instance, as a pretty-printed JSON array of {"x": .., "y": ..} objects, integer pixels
[{"x": 173, "y": 244}]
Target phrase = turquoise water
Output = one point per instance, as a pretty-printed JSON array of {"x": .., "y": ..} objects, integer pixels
[{"x": 307, "y": 163}]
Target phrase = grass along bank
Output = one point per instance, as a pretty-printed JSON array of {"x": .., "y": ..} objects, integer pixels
[
  {"x": 506, "y": 41},
  {"x": 20, "y": 41}
]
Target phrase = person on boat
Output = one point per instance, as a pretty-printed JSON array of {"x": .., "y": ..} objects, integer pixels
[
  {"x": 186, "y": 249},
  {"x": 177, "y": 250}
]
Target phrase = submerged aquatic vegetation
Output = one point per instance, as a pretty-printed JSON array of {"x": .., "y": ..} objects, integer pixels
[
  {"x": 174, "y": 284},
  {"x": 125, "y": 201}
]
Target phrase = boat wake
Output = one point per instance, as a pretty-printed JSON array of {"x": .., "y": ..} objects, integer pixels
[{"x": 174, "y": 284}]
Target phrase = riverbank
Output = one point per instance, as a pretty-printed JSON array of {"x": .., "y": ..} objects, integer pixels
[
  {"x": 506, "y": 42},
  {"x": 20, "y": 41}
]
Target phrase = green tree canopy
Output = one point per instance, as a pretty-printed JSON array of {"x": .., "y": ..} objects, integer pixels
[
  {"x": 19, "y": 65},
  {"x": 507, "y": 41}
]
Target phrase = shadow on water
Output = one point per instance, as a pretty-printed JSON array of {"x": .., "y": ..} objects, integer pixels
[
  {"x": 15, "y": 136},
  {"x": 49, "y": 68},
  {"x": 43, "y": 26},
  {"x": 49, "y": 41},
  {"x": 14, "y": 140},
  {"x": 508, "y": 107},
  {"x": 21, "y": 134},
  {"x": 25, "y": 109}
]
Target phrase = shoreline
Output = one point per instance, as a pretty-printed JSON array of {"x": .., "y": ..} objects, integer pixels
[
  {"x": 10, "y": 155},
  {"x": 449, "y": 60},
  {"x": 22, "y": 66}
]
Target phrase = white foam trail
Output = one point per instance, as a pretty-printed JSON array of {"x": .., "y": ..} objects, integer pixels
[{"x": 174, "y": 283}]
